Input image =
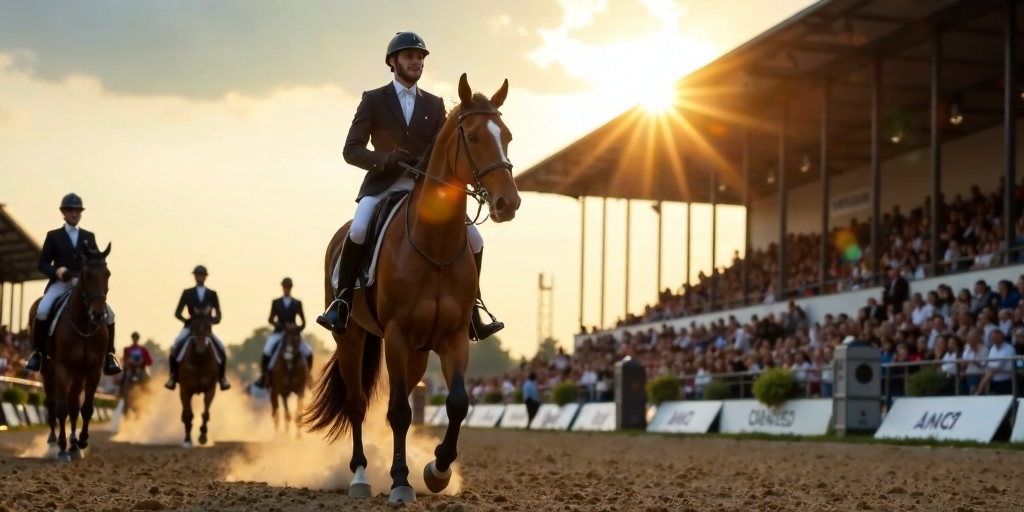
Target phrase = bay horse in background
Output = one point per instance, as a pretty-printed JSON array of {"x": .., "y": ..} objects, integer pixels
[
  {"x": 425, "y": 290},
  {"x": 134, "y": 381},
  {"x": 290, "y": 375},
  {"x": 199, "y": 373},
  {"x": 77, "y": 351}
]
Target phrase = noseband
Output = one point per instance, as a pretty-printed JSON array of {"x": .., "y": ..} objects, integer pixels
[{"x": 86, "y": 298}]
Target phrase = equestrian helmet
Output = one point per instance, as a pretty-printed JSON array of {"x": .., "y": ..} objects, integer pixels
[
  {"x": 287, "y": 282},
  {"x": 200, "y": 270},
  {"x": 135, "y": 335},
  {"x": 72, "y": 200},
  {"x": 405, "y": 41}
]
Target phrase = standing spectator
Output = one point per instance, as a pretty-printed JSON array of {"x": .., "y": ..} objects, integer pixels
[
  {"x": 998, "y": 374},
  {"x": 531, "y": 397},
  {"x": 897, "y": 291}
]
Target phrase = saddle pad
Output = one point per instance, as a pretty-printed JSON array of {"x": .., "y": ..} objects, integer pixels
[
  {"x": 379, "y": 222},
  {"x": 191, "y": 339},
  {"x": 62, "y": 302},
  {"x": 279, "y": 349}
]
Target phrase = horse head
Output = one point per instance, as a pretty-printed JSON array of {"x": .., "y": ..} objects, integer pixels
[
  {"x": 483, "y": 141},
  {"x": 94, "y": 282},
  {"x": 292, "y": 340},
  {"x": 202, "y": 328}
]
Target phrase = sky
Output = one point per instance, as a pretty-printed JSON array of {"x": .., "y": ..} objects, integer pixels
[{"x": 211, "y": 133}]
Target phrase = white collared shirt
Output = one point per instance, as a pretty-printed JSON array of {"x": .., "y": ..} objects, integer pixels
[
  {"x": 287, "y": 301},
  {"x": 201, "y": 292},
  {"x": 72, "y": 232},
  {"x": 406, "y": 98}
]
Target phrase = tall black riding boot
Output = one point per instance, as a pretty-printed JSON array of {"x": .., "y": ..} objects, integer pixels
[
  {"x": 477, "y": 329},
  {"x": 264, "y": 370},
  {"x": 172, "y": 362},
  {"x": 337, "y": 315},
  {"x": 39, "y": 335},
  {"x": 110, "y": 365}
]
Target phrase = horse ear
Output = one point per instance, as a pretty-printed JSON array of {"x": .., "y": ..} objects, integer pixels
[
  {"x": 465, "y": 92},
  {"x": 106, "y": 251},
  {"x": 499, "y": 97}
]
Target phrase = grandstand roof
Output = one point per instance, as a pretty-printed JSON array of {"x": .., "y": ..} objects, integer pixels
[
  {"x": 19, "y": 252},
  {"x": 642, "y": 156}
]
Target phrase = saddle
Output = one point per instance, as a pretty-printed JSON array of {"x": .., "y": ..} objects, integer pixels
[{"x": 56, "y": 311}]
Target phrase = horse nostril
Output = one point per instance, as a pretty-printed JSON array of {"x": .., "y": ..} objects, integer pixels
[{"x": 500, "y": 204}]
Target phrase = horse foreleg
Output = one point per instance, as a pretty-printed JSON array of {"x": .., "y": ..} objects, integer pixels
[
  {"x": 61, "y": 387},
  {"x": 396, "y": 354},
  {"x": 186, "y": 416},
  {"x": 92, "y": 381},
  {"x": 351, "y": 347},
  {"x": 207, "y": 400},
  {"x": 454, "y": 360},
  {"x": 74, "y": 408},
  {"x": 287, "y": 414},
  {"x": 298, "y": 415},
  {"x": 273, "y": 409}
]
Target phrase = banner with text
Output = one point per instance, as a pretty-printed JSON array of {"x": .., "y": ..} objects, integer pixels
[
  {"x": 515, "y": 416},
  {"x": 10, "y": 415},
  {"x": 485, "y": 416},
  {"x": 429, "y": 411},
  {"x": 440, "y": 418},
  {"x": 595, "y": 417},
  {"x": 796, "y": 417},
  {"x": 847, "y": 203},
  {"x": 547, "y": 418},
  {"x": 955, "y": 418},
  {"x": 687, "y": 417}
]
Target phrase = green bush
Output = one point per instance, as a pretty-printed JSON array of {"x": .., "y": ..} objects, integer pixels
[
  {"x": 564, "y": 393},
  {"x": 775, "y": 386},
  {"x": 717, "y": 390},
  {"x": 517, "y": 396},
  {"x": 36, "y": 398},
  {"x": 15, "y": 396},
  {"x": 663, "y": 389},
  {"x": 492, "y": 397},
  {"x": 438, "y": 399},
  {"x": 100, "y": 402},
  {"x": 927, "y": 382}
]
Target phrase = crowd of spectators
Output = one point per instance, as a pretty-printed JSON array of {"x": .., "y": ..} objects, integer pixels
[
  {"x": 971, "y": 237},
  {"x": 14, "y": 351}
]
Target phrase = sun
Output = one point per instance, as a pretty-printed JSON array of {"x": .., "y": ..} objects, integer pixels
[{"x": 657, "y": 100}]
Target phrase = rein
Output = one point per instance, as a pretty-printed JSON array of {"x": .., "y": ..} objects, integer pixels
[
  {"x": 479, "y": 193},
  {"x": 80, "y": 290}
]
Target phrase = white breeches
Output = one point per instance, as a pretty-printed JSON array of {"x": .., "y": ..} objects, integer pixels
[
  {"x": 275, "y": 337},
  {"x": 184, "y": 334},
  {"x": 55, "y": 292},
  {"x": 366, "y": 205}
]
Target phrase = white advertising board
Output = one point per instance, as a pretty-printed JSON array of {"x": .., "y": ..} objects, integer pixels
[
  {"x": 11, "y": 417},
  {"x": 955, "y": 418},
  {"x": 808, "y": 417},
  {"x": 515, "y": 416},
  {"x": 686, "y": 417},
  {"x": 596, "y": 417},
  {"x": 485, "y": 416},
  {"x": 440, "y": 418},
  {"x": 428, "y": 413},
  {"x": 547, "y": 418}
]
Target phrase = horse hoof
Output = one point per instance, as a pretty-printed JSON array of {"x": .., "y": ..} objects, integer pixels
[
  {"x": 186, "y": 444},
  {"x": 436, "y": 481},
  {"x": 360, "y": 486},
  {"x": 63, "y": 456},
  {"x": 202, "y": 439},
  {"x": 76, "y": 454},
  {"x": 403, "y": 494}
]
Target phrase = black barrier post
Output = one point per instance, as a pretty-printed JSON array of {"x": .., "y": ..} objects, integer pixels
[{"x": 630, "y": 395}]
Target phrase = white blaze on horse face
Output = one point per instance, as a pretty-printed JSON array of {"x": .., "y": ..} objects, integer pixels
[{"x": 496, "y": 132}]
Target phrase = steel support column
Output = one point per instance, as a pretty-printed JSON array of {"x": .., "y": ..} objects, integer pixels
[
  {"x": 783, "y": 210},
  {"x": 1010, "y": 127},
  {"x": 714, "y": 234},
  {"x": 583, "y": 254},
  {"x": 936, "y": 150},
  {"x": 689, "y": 242},
  {"x": 825, "y": 192},
  {"x": 604, "y": 250},
  {"x": 629, "y": 220},
  {"x": 21, "y": 306},
  {"x": 10, "y": 314},
  {"x": 876, "y": 171},
  {"x": 745, "y": 277}
]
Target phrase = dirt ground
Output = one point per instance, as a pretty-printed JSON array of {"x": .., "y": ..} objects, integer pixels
[{"x": 533, "y": 471}]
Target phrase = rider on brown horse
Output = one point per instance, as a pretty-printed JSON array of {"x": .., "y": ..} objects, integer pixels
[
  {"x": 195, "y": 298},
  {"x": 401, "y": 120},
  {"x": 137, "y": 353},
  {"x": 283, "y": 312},
  {"x": 61, "y": 261}
]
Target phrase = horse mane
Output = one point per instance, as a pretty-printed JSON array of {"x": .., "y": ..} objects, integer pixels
[{"x": 478, "y": 100}]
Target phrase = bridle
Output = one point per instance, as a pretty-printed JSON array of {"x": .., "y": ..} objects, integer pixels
[
  {"x": 86, "y": 298},
  {"x": 479, "y": 193}
]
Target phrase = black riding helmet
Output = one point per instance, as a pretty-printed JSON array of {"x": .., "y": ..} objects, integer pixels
[
  {"x": 73, "y": 201},
  {"x": 404, "y": 41}
]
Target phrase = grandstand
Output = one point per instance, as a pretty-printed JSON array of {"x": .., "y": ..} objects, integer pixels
[{"x": 846, "y": 119}]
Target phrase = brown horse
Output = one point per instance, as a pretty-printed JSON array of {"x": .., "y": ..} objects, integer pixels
[
  {"x": 134, "y": 382},
  {"x": 425, "y": 290},
  {"x": 76, "y": 352},
  {"x": 289, "y": 375},
  {"x": 198, "y": 373}
]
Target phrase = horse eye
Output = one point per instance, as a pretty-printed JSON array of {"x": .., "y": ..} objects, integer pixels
[{"x": 471, "y": 137}]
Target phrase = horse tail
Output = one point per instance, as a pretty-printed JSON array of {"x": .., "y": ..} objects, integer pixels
[{"x": 327, "y": 409}]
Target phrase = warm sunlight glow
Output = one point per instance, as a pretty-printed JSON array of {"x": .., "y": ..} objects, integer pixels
[{"x": 658, "y": 100}]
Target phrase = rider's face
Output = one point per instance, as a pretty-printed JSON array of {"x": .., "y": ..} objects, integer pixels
[
  {"x": 72, "y": 216},
  {"x": 409, "y": 65},
  {"x": 287, "y": 290},
  {"x": 200, "y": 279}
]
